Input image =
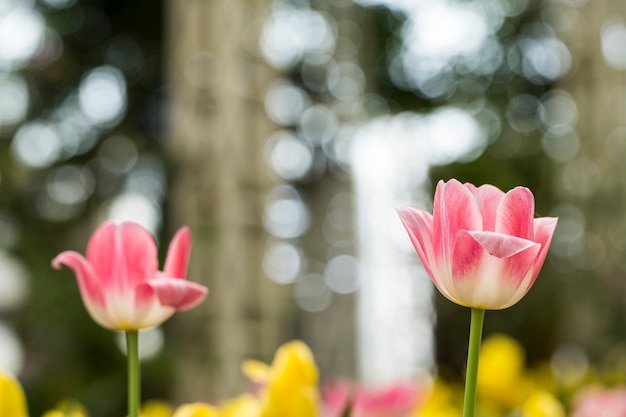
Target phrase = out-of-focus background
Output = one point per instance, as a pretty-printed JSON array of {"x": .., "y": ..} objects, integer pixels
[{"x": 285, "y": 133}]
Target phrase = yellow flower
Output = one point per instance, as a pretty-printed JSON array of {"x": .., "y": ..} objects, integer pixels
[
  {"x": 67, "y": 408},
  {"x": 12, "y": 399},
  {"x": 246, "y": 405},
  {"x": 542, "y": 404},
  {"x": 196, "y": 410},
  {"x": 442, "y": 401},
  {"x": 501, "y": 376},
  {"x": 289, "y": 384},
  {"x": 155, "y": 408}
]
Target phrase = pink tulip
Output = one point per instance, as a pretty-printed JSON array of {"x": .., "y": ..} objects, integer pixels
[
  {"x": 398, "y": 400},
  {"x": 481, "y": 247},
  {"x": 120, "y": 283},
  {"x": 600, "y": 402},
  {"x": 336, "y": 399}
]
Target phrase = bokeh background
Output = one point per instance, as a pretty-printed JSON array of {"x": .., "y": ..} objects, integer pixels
[{"x": 284, "y": 133}]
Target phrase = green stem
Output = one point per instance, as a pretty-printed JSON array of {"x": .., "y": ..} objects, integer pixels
[
  {"x": 132, "y": 353},
  {"x": 471, "y": 377}
]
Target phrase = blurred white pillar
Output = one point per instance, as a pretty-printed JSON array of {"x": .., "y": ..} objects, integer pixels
[{"x": 395, "y": 309}]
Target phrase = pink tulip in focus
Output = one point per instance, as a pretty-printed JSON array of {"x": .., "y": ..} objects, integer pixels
[
  {"x": 120, "y": 283},
  {"x": 482, "y": 247}
]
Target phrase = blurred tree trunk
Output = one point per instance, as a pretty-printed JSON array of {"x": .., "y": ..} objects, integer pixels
[
  {"x": 331, "y": 333},
  {"x": 217, "y": 133},
  {"x": 593, "y": 182}
]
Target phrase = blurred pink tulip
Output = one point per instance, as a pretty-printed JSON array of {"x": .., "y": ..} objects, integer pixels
[
  {"x": 398, "y": 400},
  {"x": 598, "y": 402},
  {"x": 481, "y": 247},
  {"x": 336, "y": 398},
  {"x": 120, "y": 283}
]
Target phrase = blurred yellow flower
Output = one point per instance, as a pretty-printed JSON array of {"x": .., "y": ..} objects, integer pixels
[
  {"x": 541, "y": 403},
  {"x": 12, "y": 398},
  {"x": 501, "y": 376},
  {"x": 442, "y": 401},
  {"x": 289, "y": 384},
  {"x": 246, "y": 405},
  {"x": 196, "y": 410},
  {"x": 155, "y": 408},
  {"x": 67, "y": 408}
]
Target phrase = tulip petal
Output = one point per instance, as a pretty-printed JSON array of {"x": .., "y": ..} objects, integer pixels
[
  {"x": 518, "y": 255},
  {"x": 515, "y": 213},
  {"x": 174, "y": 292},
  {"x": 518, "y": 272},
  {"x": 467, "y": 258},
  {"x": 499, "y": 245},
  {"x": 88, "y": 285},
  {"x": 398, "y": 399},
  {"x": 85, "y": 275},
  {"x": 419, "y": 225},
  {"x": 256, "y": 371},
  {"x": 498, "y": 276},
  {"x": 454, "y": 209},
  {"x": 544, "y": 230},
  {"x": 488, "y": 198},
  {"x": 178, "y": 254},
  {"x": 122, "y": 255}
]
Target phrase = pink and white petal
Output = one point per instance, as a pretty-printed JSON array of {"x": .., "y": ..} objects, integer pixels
[
  {"x": 128, "y": 314},
  {"x": 144, "y": 295},
  {"x": 178, "y": 254},
  {"x": 155, "y": 316},
  {"x": 488, "y": 198},
  {"x": 101, "y": 317},
  {"x": 147, "y": 310},
  {"x": 88, "y": 283},
  {"x": 455, "y": 209},
  {"x": 514, "y": 297},
  {"x": 122, "y": 255},
  {"x": 419, "y": 225},
  {"x": 500, "y": 245},
  {"x": 544, "y": 231},
  {"x": 515, "y": 276},
  {"x": 493, "y": 282},
  {"x": 467, "y": 259},
  {"x": 102, "y": 252},
  {"x": 177, "y": 293},
  {"x": 515, "y": 213},
  {"x": 140, "y": 257},
  {"x": 515, "y": 267}
]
